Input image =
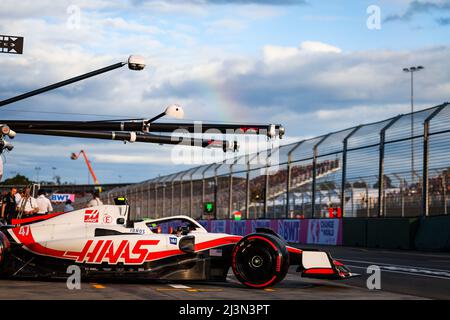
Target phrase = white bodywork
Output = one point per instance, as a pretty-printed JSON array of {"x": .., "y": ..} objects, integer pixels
[
  {"x": 315, "y": 259},
  {"x": 72, "y": 236}
]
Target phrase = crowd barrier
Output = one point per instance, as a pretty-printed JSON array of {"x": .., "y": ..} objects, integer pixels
[
  {"x": 432, "y": 233},
  {"x": 386, "y": 233},
  {"x": 305, "y": 231}
]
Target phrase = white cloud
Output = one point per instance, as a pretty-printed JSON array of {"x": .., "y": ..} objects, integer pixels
[
  {"x": 316, "y": 46},
  {"x": 273, "y": 53}
]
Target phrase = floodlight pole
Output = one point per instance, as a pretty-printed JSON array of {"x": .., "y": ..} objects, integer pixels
[{"x": 411, "y": 70}]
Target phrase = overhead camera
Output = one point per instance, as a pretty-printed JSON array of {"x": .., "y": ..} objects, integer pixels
[
  {"x": 6, "y": 131},
  {"x": 175, "y": 111},
  {"x": 136, "y": 63}
]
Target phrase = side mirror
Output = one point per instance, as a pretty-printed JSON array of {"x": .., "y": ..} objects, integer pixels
[
  {"x": 120, "y": 221},
  {"x": 187, "y": 244}
]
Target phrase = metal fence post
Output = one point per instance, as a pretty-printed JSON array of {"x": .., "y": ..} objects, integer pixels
[
  {"x": 156, "y": 198},
  {"x": 142, "y": 199},
  {"x": 180, "y": 206},
  {"x": 204, "y": 184},
  {"x": 288, "y": 186},
  {"x": 426, "y": 132},
  {"x": 266, "y": 192},
  {"x": 191, "y": 198},
  {"x": 247, "y": 191},
  {"x": 266, "y": 184},
  {"x": 344, "y": 167},
  {"x": 172, "y": 187},
  {"x": 230, "y": 191},
  {"x": 148, "y": 199},
  {"x": 191, "y": 195},
  {"x": 203, "y": 189},
  {"x": 191, "y": 204},
  {"x": 289, "y": 178},
  {"x": 381, "y": 166},
  {"x": 444, "y": 181},
  {"x": 216, "y": 181},
  {"x": 313, "y": 196},
  {"x": 163, "y": 200},
  {"x": 181, "y": 192}
]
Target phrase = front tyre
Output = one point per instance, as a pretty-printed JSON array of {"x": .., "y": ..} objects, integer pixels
[{"x": 260, "y": 260}]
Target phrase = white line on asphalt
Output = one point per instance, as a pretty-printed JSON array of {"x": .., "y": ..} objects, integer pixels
[
  {"x": 393, "y": 265},
  {"x": 402, "y": 272},
  {"x": 416, "y": 254},
  {"x": 179, "y": 286}
]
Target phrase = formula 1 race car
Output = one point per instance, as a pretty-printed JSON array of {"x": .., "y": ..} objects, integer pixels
[{"x": 105, "y": 243}]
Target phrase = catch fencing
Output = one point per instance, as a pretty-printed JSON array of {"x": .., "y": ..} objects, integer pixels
[{"x": 398, "y": 167}]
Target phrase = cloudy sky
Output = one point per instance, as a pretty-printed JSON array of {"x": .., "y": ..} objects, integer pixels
[{"x": 313, "y": 66}]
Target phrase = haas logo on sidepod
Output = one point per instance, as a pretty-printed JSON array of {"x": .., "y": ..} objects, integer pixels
[
  {"x": 115, "y": 252},
  {"x": 91, "y": 216}
]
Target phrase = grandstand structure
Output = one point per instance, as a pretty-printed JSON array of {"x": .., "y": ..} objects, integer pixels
[{"x": 380, "y": 169}]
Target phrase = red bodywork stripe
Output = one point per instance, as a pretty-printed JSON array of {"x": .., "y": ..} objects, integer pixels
[
  {"x": 294, "y": 250},
  {"x": 319, "y": 271},
  {"x": 37, "y": 218},
  {"x": 26, "y": 238},
  {"x": 198, "y": 247},
  {"x": 337, "y": 263},
  {"x": 217, "y": 242}
]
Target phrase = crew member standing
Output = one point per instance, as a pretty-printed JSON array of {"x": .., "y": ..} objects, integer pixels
[
  {"x": 44, "y": 204},
  {"x": 95, "y": 200},
  {"x": 18, "y": 196},
  {"x": 27, "y": 205},
  {"x": 9, "y": 206}
]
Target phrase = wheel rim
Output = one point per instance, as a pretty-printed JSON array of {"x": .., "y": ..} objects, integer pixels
[{"x": 256, "y": 263}]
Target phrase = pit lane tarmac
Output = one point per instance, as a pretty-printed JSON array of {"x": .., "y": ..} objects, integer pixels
[{"x": 404, "y": 275}]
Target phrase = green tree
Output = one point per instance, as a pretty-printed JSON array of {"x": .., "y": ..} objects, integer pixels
[{"x": 18, "y": 180}]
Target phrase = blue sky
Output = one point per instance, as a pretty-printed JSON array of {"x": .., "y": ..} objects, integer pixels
[{"x": 312, "y": 66}]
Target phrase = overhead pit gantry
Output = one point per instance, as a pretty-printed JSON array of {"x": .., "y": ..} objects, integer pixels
[{"x": 130, "y": 130}]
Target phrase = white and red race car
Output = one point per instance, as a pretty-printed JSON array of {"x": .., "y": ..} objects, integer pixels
[{"x": 104, "y": 243}]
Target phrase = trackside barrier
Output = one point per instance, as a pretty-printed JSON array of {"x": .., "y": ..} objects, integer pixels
[
  {"x": 305, "y": 231},
  {"x": 430, "y": 234},
  {"x": 354, "y": 233},
  {"x": 391, "y": 233},
  {"x": 433, "y": 234},
  {"x": 386, "y": 233}
]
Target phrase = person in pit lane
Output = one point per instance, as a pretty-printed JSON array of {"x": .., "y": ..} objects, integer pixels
[
  {"x": 9, "y": 206},
  {"x": 95, "y": 200},
  {"x": 28, "y": 205},
  {"x": 44, "y": 204}
]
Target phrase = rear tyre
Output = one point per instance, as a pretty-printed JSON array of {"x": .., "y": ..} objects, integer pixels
[
  {"x": 4, "y": 253},
  {"x": 260, "y": 260}
]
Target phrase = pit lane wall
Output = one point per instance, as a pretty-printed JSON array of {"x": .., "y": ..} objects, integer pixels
[{"x": 305, "y": 231}]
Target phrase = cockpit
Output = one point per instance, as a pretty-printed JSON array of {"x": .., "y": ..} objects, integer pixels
[{"x": 176, "y": 226}]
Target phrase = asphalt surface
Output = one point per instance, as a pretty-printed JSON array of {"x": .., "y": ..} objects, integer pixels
[{"x": 404, "y": 275}]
